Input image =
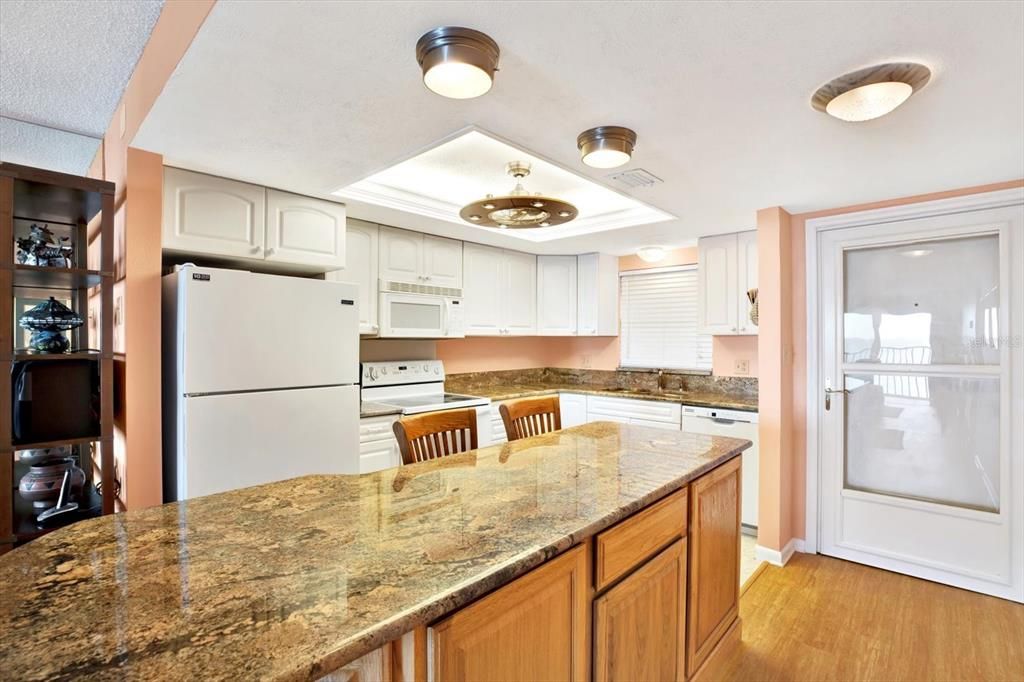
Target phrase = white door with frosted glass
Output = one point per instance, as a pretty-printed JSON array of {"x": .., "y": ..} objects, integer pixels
[{"x": 922, "y": 458}]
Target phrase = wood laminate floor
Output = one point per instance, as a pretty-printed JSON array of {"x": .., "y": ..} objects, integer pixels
[{"x": 821, "y": 619}]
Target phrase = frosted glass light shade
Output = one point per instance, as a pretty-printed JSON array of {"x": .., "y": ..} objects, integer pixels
[
  {"x": 651, "y": 254},
  {"x": 869, "y": 101},
  {"x": 457, "y": 80}
]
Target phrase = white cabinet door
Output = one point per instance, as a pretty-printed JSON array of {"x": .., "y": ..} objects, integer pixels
[
  {"x": 717, "y": 309},
  {"x": 401, "y": 255},
  {"x": 519, "y": 293},
  {"x": 746, "y": 251},
  {"x": 361, "y": 245},
  {"x": 305, "y": 231},
  {"x": 597, "y": 293},
  {"x": 573, "y": 408},
  {"x": 213, "y": 216},
  {"x": 378, "y": 448},
  {"x": 498, "y": 434},
  {"x": 482, "y": 288},
  {"x": 442, "y": 261},
  {"x": 556, "y": 295}
]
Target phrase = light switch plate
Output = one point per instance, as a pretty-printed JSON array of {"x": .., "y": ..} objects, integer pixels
[{"x": 742, "y": 367}]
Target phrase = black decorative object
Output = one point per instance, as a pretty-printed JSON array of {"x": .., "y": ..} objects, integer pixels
[
  {"x": 40, "y": 248},
  {"x": 48, "y": 321}
]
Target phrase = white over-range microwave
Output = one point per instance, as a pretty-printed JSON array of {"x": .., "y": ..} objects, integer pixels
[{"x": 420, "y": 311}]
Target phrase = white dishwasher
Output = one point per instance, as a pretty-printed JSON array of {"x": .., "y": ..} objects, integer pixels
[{"x": 736, "y": 424}]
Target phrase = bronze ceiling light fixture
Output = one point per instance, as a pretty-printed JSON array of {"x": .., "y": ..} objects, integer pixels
[
  {"x": 606, "y": 146},
  {"x": 457, "y": 62},
  {"x": 518, "y": 209},
  {"x": 872, "y": 92}
]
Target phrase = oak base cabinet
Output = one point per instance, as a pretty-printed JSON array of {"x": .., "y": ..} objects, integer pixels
[
  {"x": 639, "y": 624},
  {"x": 714, "y": 578},
  {"x": 534, "y": 628}
]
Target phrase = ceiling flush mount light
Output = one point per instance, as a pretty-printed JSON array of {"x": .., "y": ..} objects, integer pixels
[
  {"x": 871, "y": 92},
  {"x": 606, "y": 146},
  {"x": 650, "y": 254},
  {"x": 457, "y": 62},
  {"x": 518, "y": 208}
]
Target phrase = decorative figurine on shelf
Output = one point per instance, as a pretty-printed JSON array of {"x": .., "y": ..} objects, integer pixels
[
  {"x": 40, "y": 248},
  {"x": 752, "y": 297},
  {"x": 48, "y": 321}
]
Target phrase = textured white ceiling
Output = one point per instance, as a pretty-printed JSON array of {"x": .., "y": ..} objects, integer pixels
[
  {"x": 64, "y": 65},
  {"x": 311, "y": 96},
  {"x": 32, "y": 145}
]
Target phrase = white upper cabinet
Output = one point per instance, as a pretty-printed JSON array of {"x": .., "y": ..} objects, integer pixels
[
  {"x": 727, "y": 267},
  {"x": 305, "y": 231},
  {"x": 442, "y": 261},
  {"x": 499, "y": 292},
  {"x": 746, "y": 243},
  {"x": 401, "y": 255},
  {"x": 519, "y": 304},
  {"x": 482, "y": 293},
  {"x": 420, "y": 258},
  {"x": 361, "y": 250},
  {"x": 597, "y": 295},
  {"x": 210, "y": 215},
  {"x": 556, "y": 295}
]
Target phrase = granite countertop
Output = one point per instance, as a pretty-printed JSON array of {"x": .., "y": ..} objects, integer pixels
[
  {"x": 372, "y": 409},
  {"x": 508, "y": 391},
  {"x": 292, "y": 580}
]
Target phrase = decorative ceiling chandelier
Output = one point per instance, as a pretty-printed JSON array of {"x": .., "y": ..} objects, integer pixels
[{"x": 518, "y": 209}]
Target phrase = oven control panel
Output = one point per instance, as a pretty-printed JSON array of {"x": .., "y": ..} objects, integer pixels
[{"x": 404, "y": 372}]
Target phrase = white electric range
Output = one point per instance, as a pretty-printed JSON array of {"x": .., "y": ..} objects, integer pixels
[{"x": 414, "y": 387}]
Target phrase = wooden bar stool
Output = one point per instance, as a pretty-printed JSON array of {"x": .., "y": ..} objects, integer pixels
[
  {"x": 530, "y": 416},
  {"x": 432, "y": 435}
]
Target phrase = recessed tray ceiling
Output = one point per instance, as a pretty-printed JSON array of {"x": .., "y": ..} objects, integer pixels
[{"x": 438, "y": 182}]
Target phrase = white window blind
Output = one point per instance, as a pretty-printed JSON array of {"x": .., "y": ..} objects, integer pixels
[{"x": 659, "y": 320}]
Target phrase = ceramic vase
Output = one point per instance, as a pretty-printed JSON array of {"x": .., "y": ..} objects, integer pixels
[{"x": 41, "y": 485}]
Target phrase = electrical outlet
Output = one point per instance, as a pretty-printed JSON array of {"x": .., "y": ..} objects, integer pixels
[
  {"x": 742, "y": 367},
  {"x": 586, "y": 362}
]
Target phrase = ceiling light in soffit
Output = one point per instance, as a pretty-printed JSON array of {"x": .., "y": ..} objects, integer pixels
[
  {"x": 872, "y": 92},
  {"x": 518, "y": 209},
  {"x": 606, "y": 146},
  {"x": 457, "y": 62}
]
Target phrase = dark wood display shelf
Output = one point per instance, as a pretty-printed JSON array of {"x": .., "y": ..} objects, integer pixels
[
  {"x": 20, "y": 355},
  {"x": 39, "y": 277},
  {"x": 47, "y": 196},
  {"x": 56, "y": 443},
  {"x": 25, "y": 528}
]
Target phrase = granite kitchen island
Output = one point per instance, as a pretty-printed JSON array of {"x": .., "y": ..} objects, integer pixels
[{"x": 297, "y": 579}]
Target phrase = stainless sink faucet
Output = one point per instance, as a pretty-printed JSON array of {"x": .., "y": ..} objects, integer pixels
[{"x": 661, "y": 380}]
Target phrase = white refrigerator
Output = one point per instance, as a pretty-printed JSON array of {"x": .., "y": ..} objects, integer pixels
[{"x": 260, "y": 376}]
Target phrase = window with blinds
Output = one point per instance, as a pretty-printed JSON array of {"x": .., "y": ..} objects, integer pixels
[{"x": 659, "y": 320}]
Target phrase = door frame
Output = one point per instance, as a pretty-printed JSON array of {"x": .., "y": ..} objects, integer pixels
[{"x": 814, "y": 228}]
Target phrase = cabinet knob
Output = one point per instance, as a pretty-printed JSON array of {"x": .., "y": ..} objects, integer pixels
[
  {"x": 256, "y": 249},
  {"x": 270, "y": 251}
]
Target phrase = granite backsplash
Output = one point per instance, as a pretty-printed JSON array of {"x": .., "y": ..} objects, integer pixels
[{"x": 622, "y": 378}]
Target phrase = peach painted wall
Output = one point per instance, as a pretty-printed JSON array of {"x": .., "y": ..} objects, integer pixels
[
  {"x": 138, "y": 176},
  {"x": 798, "y": 405},
  {"x": 775, "y": 381}
]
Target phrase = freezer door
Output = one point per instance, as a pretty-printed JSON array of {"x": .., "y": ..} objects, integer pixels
[
  {"x": 235, "y": 441},
  {"x": 243, "y": 331}
]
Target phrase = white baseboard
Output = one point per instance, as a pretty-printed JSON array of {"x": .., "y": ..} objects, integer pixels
[{"x": 777, "y": 558}]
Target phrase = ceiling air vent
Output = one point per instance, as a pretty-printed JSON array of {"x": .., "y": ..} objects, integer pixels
[{"x": 636, "y": 177}]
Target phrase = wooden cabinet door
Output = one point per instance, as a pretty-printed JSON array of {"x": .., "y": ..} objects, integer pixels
[
  {"x": 746, "y": 269},
  {"x": 305, "y": 231},
  {"x": 714, "y": 539},
  {"x": 401, "y": 255},
  {"x": 556, "y": 295},
  {"x": 207, "y": 215},
  {"x": 639, "y": 624},
  {"x": 482, "y": 293},
  {"x": 361, "y": 247},
  {"x": 519, "y": 294},
  {"x": 442, "y": 262},
  {"x": 534, "y": 628},
  {"x": 717, "y": 285}
]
